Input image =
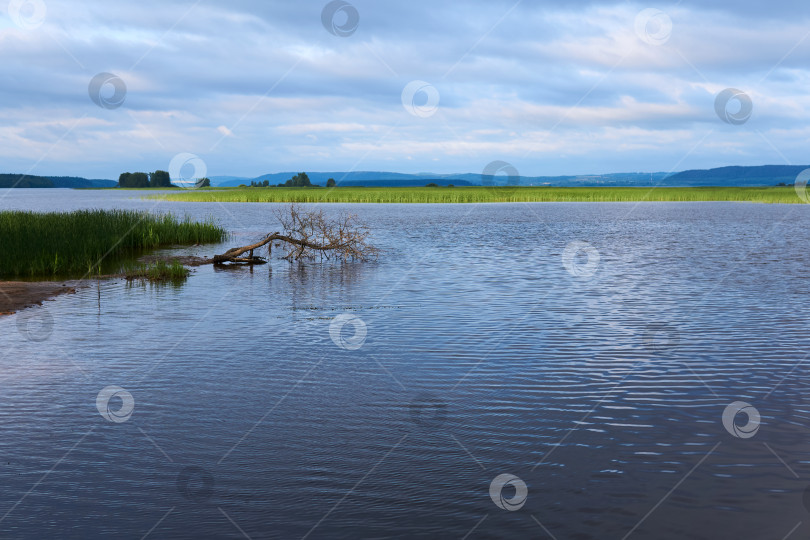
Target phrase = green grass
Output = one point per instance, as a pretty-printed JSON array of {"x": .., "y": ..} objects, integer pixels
[
  {"x": 158, "y": 272},
  {"x": 487, "y": 194},
  {"x": 83, "y": 242}
]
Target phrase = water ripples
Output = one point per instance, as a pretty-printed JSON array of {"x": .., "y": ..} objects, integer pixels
[{"x": 483, "y": 356}]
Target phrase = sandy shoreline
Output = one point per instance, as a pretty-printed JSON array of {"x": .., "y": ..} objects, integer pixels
[{"x": 18, "y": 295}]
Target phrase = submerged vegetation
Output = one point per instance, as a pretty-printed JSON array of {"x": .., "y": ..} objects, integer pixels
[
  {"x": 74, "y": 243},
  {"x": 491, "y": 194},
  {"x": 158, "y": 272}
]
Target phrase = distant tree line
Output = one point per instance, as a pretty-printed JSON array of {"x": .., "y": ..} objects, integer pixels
[
  {"x": 157, "y": 179},
  {"x": 32, "y": 181},
  {"x": 299, "y": 180},
  {"x": 24, "y": 181},
  {"x": 144, "y": 180}
]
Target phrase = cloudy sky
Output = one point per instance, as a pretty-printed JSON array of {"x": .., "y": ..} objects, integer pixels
[{"x": 258, "y": 86}]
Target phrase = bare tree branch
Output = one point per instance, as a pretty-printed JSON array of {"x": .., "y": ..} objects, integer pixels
[{"x": 309, "y": 235}]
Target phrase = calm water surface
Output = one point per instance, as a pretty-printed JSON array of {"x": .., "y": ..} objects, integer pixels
[{"x": 601, "y": 389}]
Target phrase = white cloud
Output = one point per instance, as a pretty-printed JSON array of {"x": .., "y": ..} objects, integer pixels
[{"x": 261, "y": 86}]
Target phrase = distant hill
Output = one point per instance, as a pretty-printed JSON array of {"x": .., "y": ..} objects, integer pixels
[
  {"x": 24, "y": 181},
  {"x": 763, "y": 175},
  {"x": 415, "y": 182},
  {"x": 584, "y": 180},
  {"x": 30, "y": 181},
  {"x": 392, "y": 179},
  {"x": 229, "y": 180},
  {"x": 78, "y": 182},
  {"x": 343, "y": 178}
]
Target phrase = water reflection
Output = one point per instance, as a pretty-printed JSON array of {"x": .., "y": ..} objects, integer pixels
[{"x": 481, "y": 355}]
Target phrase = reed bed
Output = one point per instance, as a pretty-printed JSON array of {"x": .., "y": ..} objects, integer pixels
[
  {"x": 79, "y": 243},
  {"x": 158, "y": 272},
  {"x": 785, "y": 195}
]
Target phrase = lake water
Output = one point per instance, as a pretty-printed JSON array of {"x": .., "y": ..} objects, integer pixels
[{"x": 589, "y": 351}]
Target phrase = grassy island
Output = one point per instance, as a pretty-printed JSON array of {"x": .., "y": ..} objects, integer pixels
[{"x": 486, "y": 194}]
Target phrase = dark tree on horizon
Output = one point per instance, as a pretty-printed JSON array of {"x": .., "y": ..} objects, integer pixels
[
  {"x": 133, "y": 180},
  {"x": 299, "y": 180},
  {"x": 140, "y": 179},
  {"x": 160, "y": 179}
]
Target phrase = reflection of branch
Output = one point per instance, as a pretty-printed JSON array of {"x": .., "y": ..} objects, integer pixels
[{"x": 307, "y": 234}]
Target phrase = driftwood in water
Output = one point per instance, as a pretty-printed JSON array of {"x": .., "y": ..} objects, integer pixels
[{"x": 307, "y": 235}]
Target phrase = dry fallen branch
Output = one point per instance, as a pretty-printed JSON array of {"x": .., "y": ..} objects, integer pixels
[{"x": 308, "y": 235}]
